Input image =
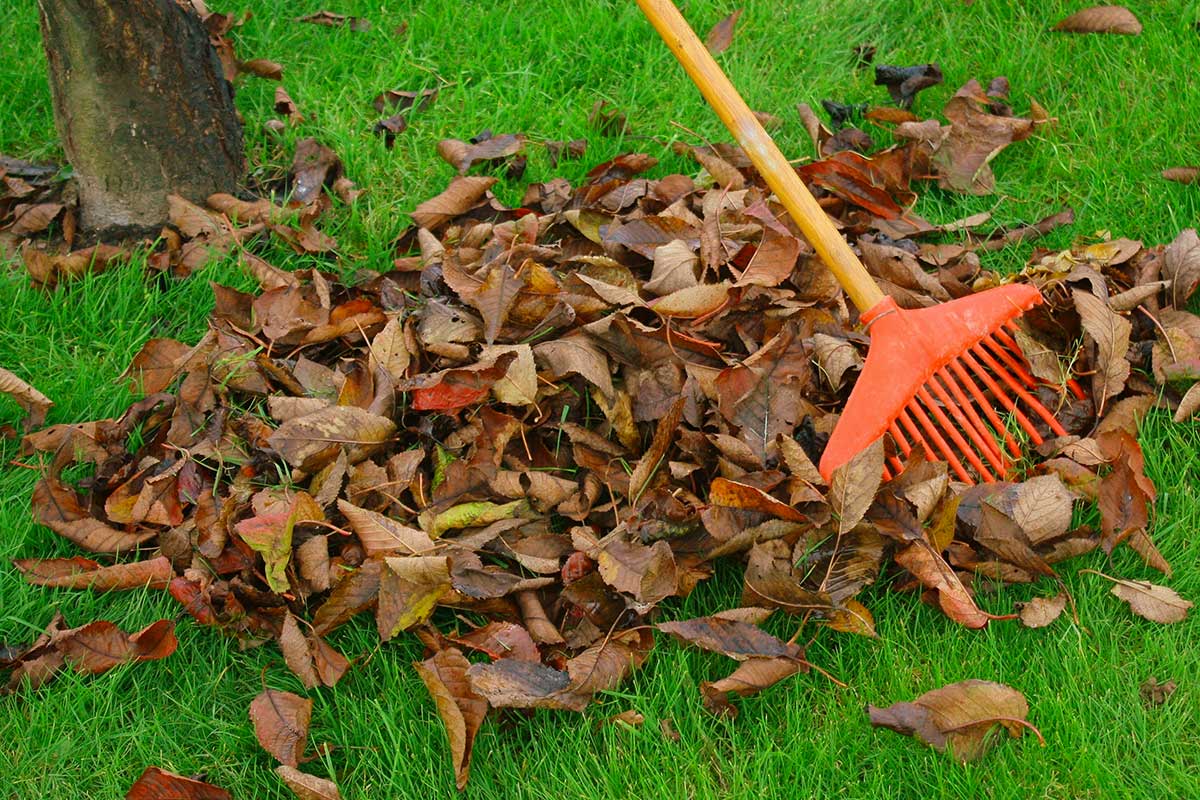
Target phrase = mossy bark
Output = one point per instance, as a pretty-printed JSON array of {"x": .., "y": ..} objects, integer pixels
[{"x": 142, "y": 108}]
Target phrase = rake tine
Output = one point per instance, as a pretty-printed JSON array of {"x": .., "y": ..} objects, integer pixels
[
  {"x": 997, "y": 425},
  {"x": 1009, "y": 404},
  {"x": 954, "y": 435},
  {"x": 1020, "y": 392},
  {"x": 1005, "y": 352},
  {"x": 1072, "y": 384},
  {"x": 932, "y": 431},
  {"x": 967, "y": 419}
]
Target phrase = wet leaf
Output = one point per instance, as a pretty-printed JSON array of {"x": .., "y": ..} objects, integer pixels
[{"x": 100, "y": 646}]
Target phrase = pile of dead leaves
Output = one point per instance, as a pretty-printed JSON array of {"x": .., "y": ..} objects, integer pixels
[{"x": 554, "y": 418}]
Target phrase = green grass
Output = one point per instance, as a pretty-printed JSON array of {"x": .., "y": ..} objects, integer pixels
[{"x": 1126, "y": 109}]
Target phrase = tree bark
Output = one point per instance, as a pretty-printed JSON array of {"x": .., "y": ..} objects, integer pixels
[{"x": 141, "y": 106}]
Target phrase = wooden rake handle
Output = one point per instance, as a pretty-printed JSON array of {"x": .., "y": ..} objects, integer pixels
[{"x": 771, "y": 164}]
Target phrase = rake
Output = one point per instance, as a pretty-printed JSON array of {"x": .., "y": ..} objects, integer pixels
[{"x": 940, "y": 377}]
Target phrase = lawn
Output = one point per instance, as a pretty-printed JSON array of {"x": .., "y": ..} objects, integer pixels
[{"x": 1125, "y": 108}]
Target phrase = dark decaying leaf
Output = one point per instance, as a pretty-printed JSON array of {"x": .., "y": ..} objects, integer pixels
[
  {"x": 1154, "y": 693},
  {"x": 156, "y": 783},
  {"x": 281, "y": 724},
  {"x": 958, "y": 718},
  {"x": 903, "y": 83}
]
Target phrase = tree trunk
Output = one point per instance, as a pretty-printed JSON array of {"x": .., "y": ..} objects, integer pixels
[{"x": 141, "y": 106}]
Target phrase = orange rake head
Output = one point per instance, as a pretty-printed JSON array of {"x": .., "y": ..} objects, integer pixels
[{"x": 942, "y": 377}]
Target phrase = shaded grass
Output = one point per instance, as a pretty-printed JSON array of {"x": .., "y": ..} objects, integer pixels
[{"x": 1125, "y": 108}]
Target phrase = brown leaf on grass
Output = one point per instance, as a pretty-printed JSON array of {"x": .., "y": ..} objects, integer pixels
[
  {"x": 516, "y": 683},
  {"x": 464, "y": 155},
  {"x": 958, "y": 718},
  {"x": 31, "y": 218},
  {"x": 263, "y": 68},
  {"x": 296, "y": 652},
  {"x": 751, "y": 677},
  {"x": 648, "y": 573},
  {"x": 34, "y": 402},
  {"x": 1101, "y": 19},
  {"x": 307, "y": 787},
  {"x": 101, "y": 645},
  {"x": 1041, "y": 611},
  {"x": 1148, "y": 600},
  {"x": 332, "y": 20},
  {"x": 1110, "y": 331},
  {"x": 59, "y": 508},
  {"x": 720, "y": 36},
  {"x": 1154, "y": 693},
  {"x": 156, "y": 783},
  {"x": 608, "y": 119},
  {"x": 1181, "y": 174},
  {"x": 313, "y": 440},
  {"x": 976, "y": 136},
  {"x": 281, "y": 722},
  {"x": 500, "y": 640},
  {"x": 460, "y": 707},
  {"x": 852, "y": 487},
  {"x": 48, "y": 269},
  {"x": 463, "y": 194},
  {"x": 400, "y": 100},
  {"x": 738, "y": 640},
  {"x": 83, "y": 573},
  {"x": 604, "y": 666}
]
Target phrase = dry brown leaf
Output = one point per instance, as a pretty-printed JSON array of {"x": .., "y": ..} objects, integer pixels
[
  {"x": 157, "y": 784},
  {"x": 835, "y": 356},
  {"x": 460, "y": 707},
  {"x": 34, "y": 402},
  {"x": 380, "y": 535},
  {"x": 281, "y": 724},
  {"x": 1181, "y": 266},
  {"x": 312, "y": 441},
  {"x": 751, "y": 677},
  {"x": 463, "y": 194},
  {"x": 1110, "y": 331},
  {"x": 307, "y": 787},
  {"x": 1181, "y": 174},
  {"x": 721, "y": 35},
  {"x": 738, "y": 640},
  {"x": 1041, "y": 611},
  {"x": 958, "y": 717},
  {"x": 1101, "y": 19},
  {"x": 409, "y": 588},
  {"x": 83, "y": 573},
  {"x": 852, "y": 487},
  {"x": 1148, "y": 600}
]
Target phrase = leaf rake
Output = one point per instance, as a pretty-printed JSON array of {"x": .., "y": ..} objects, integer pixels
[{"x": 940, "y": 377}]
